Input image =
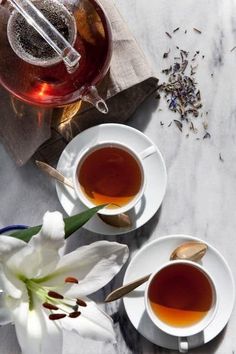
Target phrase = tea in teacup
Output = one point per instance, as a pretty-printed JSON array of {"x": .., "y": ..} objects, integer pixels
[
  {"x": 180, "y": 295},
  {"x": 111, "y": 174},
  {"x": 181, "y": 298}
]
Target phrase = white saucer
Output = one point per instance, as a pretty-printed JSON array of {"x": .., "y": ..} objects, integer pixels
[
  {"x": 154, "y": 167},
  {"x": 147, "y": 260}
]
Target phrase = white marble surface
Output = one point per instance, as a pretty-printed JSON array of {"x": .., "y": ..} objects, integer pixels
[{"x": 201, "y": 193}]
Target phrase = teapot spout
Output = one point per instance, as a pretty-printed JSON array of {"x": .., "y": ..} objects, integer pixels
[{"x": 93, "y": 97}]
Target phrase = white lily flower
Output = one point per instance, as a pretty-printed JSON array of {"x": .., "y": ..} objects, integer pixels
[{"x": 46, "y": 293}]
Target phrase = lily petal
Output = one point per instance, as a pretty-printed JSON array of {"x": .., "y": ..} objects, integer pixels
[
  {"x": 42, "y": 250},
  {"x": 92, "y": 323},
  {"x": 49, "y": 241},
  {"x": 93, "y": 265},
  {"x": 5, "y": 313},
  {"x": 52, "y": 232},
  {"x": 15, "y": 257},
  {"x": 10, "y": 283},
  {"x": 19, "y": 262},
  {"x": 35, "y": 332},
  {"x": 8, "y": 246}
]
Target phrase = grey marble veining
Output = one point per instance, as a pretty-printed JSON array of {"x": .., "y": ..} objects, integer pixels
[{"x": 201, "y": 192}]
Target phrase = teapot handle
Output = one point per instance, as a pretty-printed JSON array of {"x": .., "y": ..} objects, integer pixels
[{"x": 92, "y": 96}]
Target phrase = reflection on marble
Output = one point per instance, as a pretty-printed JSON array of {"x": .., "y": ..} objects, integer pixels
[{"x": 201, "y": 192}]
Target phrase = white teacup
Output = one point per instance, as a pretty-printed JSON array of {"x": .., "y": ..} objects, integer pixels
[
  {"x": 181, "y": 299},
  {"x": 110, "y": 173}
]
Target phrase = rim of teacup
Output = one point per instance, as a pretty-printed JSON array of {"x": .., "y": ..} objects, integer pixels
[
  {"x": 187, "y": 330},
  {"x": 78, "y": 190}
]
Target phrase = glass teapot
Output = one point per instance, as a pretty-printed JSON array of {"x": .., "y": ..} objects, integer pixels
[{"x": 33, "y": 70}]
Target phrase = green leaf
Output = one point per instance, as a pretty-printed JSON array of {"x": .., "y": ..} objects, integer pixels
[
  {"x": 26, "y": 234},
  {"x": 72, "y": 224}
]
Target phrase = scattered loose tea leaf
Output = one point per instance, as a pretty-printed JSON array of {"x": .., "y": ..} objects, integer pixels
[
  {"x": 169, "y": 124},
  {"x": 180, "y": 89},
  {"x": 197, "y": 30},
  {"x": 161, "y": 123},
  {"x": 207, "y": 135},
  {"x": 221, "y": 158},
  {"x": 205, "y": 125},
  {"x": 233, "y": 49},
  {"x": 192, "y": 127},
  {"x": 176, "y": 29},
  {"x": 198, "y": 95},
  {"x": 195, "y": 55},
  {"x": 184, "y": 52},
  {"x": 165, "y": 55},
  {"x": 179, "y": 125},
  {"x": 167, "y": 33},
  {"x": 167, "y": 71},
  {"x": 185, "y": 31},
  {"x": 193, "y": 70}
]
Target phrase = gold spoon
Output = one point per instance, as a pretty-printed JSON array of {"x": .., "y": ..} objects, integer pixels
[
  {"x": 52, "y": 172},
  {"x": 192, "y": 251}
]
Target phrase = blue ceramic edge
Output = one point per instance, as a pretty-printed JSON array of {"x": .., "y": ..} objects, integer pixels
[{"x": 12, "y": 228}]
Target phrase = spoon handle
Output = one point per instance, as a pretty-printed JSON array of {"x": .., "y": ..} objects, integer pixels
[
  {"x": 52, "y": 172},
  {"x": 125, "y": 289},
  {"x": 194, "y": 251}
]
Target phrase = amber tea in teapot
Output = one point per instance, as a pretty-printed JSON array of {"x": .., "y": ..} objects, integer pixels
[{"x": 32, "y": 70}]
